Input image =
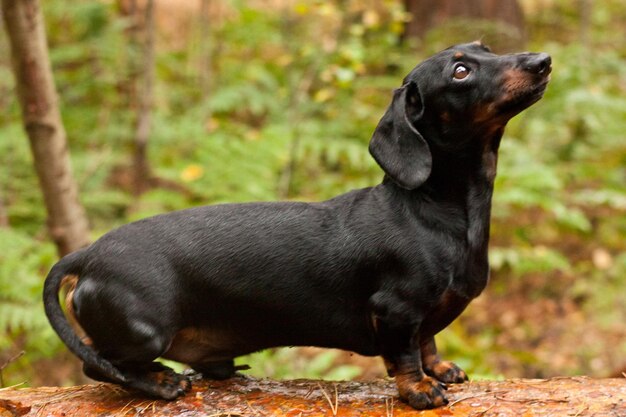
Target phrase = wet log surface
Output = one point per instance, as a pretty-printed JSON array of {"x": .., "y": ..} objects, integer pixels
[{"x": 576, "y": 397}]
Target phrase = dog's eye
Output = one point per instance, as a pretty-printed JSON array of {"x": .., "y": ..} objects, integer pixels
[{"x": 461, "y": 72}]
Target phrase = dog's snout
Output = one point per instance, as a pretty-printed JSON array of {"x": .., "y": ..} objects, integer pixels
[{"x": 538, "y": 63}]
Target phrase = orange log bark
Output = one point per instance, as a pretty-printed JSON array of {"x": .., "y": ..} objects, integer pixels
[{"x": 243, "y": 396}]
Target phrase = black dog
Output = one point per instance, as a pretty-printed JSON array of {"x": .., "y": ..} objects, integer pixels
[{"x": 377, "y": 271}]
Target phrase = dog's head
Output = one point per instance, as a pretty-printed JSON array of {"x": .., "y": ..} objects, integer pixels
[{"x": 455, "y": 101}]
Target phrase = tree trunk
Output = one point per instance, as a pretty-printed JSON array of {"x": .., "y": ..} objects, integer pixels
[
  {"x": 67, "y": 222},
  {"x": 128, "y": 11},
  {"x": 242, "y": 397},
  {"x": 144, "y": 112}
]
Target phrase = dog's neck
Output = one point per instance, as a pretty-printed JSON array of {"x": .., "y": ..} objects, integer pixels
[
  {"x": 457, "y": 173},
  {"x": 479, "y": 182},
  {"x": 465, "y": 185}
]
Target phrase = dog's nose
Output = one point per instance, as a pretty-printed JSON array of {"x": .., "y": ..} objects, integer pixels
[{"x": 538, "y": 63}]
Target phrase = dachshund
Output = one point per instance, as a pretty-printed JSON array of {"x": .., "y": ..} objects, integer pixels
[{"x": 376, "y": 271}]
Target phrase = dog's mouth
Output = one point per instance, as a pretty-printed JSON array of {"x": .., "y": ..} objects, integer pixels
[
  {"x": 524, "y": 96},
  {"x": 536, "y": 93}
]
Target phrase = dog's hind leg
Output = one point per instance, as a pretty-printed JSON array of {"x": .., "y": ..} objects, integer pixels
[
  {"x": 153, "y": 379},
  {"x": 129, "y": 330},
  {"x": 133, "y": 348}
]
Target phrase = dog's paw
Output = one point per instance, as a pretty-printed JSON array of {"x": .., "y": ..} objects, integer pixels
[
  {"x": 158, "y": 382},
  {"x": 427, "y": 393},
  {"x": 171, "y": 385},
  {"x": 446, "y": 372}
]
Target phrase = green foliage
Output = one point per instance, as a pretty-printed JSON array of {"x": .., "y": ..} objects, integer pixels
[
  {"x": 289, "y": 363},
  {"x": 555, "y": 156},
  {"x": 559, "y": 199},
  {"x": 23, "y": 261},
  {"x": 536, "y": 259}
]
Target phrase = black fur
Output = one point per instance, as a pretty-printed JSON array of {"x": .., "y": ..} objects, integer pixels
[{"x": 377, "y": 271}]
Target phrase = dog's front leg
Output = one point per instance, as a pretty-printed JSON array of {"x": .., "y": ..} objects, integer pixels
[
  {"x": 444, "y": 371},
  {"x": 403, "y": 360}
]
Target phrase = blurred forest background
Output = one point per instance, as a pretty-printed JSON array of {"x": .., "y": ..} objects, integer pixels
[{"x": 175, "y": 103}]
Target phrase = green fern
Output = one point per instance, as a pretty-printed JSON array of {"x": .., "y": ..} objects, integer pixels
[{"x": 23, "y": 265}]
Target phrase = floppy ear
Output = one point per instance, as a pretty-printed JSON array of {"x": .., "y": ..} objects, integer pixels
[{"x": 397, "y": 146}]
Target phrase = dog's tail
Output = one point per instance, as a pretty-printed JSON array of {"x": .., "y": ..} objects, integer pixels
[{"x": 72, "y": 265}]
